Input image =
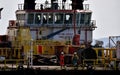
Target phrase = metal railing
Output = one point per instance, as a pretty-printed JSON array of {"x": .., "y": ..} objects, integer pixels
[
  {"x": 68, "y": 6},
  {"x": 13, "y": 64},
  {"x": 104, "y": 55}
]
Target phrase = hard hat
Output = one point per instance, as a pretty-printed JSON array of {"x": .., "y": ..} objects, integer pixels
[
  {"x": 75, "y": 52},
  {"x": 62, "y": 52}
]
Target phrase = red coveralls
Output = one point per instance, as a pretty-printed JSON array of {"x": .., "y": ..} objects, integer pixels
[{"x": 62, "y": 60}]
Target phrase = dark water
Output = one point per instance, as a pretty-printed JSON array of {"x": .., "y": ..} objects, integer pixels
[{"x": 59, "y": 72}]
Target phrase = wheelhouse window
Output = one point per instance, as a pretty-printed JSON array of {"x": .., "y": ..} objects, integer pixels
[
  {"x": 59, "y": 18},
  {"x": 68, "y": 18},
  {"x": 85, "y": 18},
  {"x": 30, "y": 19},
  {"x": 38, "y": 18},
  {"x": 20, "y": 16},
  {"x": 45, "y": 18},
  {"x": 50, "y": 18},
  {"x": 82, "y": 19}
]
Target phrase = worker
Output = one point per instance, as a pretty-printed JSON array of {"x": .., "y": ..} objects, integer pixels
[
  {"x": 62, "y": 64},
  {"x": 75, "y": 59},
  {"x": 79, "y": 52}
]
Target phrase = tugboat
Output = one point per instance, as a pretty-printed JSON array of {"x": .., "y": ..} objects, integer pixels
[
  {"x": 66, "y": 22},
  {"x": 44, "y": 30}
]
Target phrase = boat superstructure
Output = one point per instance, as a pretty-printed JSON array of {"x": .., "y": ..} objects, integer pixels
[{"x": 54, "y": 22}]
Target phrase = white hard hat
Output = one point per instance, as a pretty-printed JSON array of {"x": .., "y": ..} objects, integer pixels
[
  {"x": 62, "y": 52},
  {"x": 75, "y": 52}
]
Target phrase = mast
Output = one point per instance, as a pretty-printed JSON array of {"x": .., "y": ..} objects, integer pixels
[
  {"x": 76, "y": 4},
  {"x": 74, "y": 17}
]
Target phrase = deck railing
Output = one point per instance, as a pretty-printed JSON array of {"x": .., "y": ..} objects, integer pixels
[{"x": 68, "y": 6}]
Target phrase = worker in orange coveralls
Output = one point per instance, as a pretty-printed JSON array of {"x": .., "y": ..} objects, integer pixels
[{"x": 62, "y": 64}]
